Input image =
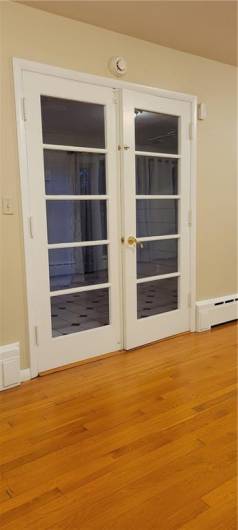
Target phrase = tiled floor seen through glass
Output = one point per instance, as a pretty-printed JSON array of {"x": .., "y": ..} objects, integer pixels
[
  {"x": 155, "y": 297},
  {"x": 76, "y": 312}
]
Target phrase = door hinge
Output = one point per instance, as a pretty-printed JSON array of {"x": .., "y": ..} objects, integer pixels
[
  {"x": 31, "y": 227},
  {"x": 36, "y": 335},
  {"x": 190, "y": 217},
  {"x": 189, "y": 300},
  {"x": 190, "y": 131},
  {"x": 23, "y": 109}
]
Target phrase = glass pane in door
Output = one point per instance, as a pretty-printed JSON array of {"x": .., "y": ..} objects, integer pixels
[
  {"x": 78, "y": 270},
  {"x": 157, "y": 257},
  {"x": 78, "y": 266},
  {"x": 72, "y": 313},
  {"x": 69, "y": 220},
  {"x": 156, "y": 176},
  {"x": 76, "y": 123},
  {"x": 156, "y": 217},
  {"x": 157, "y": 212},
  {"x": 72, "y": 173},
  {"x": 156, "y": 132},
  {"x": 157, "y": 297}
]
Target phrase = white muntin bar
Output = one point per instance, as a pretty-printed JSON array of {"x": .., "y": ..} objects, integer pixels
[
  {"x": 157, "y": 238},
  {"x": 76, "y": 197},
  {"x": 80, "y": 289},
  {"x": 158, "y": 277},
  {"x": 158, "y": 197},
  {"x": 74, "y": 148},
  {"x": 157, "y": 155},
  {"x": 78, "y": 244}
]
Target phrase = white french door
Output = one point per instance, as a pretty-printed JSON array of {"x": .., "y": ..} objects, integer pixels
[
  {"x": 156, "y": 184},
  {"x": 74, "y": 251},
  {"x": 108, "y": 246}
]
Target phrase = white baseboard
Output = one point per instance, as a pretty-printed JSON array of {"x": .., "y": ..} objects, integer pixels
[
  {"x": 25, "y": 375},
  {"x": 216, "y": 311},
  {"x": 9, "y": 366}
]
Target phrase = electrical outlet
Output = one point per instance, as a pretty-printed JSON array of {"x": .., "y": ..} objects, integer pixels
[{"x": 7, "y": 206}]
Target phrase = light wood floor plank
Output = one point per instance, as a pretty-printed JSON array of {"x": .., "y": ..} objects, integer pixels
[{"x": 144, "y": 440}]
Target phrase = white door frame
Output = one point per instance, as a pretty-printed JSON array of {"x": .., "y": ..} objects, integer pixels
[{"x": 22, "y": 65}]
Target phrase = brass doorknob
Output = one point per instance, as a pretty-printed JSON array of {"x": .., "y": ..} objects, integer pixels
[{"x": 131, "y": 241}]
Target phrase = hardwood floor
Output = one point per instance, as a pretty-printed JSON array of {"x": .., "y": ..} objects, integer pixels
[{"x": 143, "y": 440}]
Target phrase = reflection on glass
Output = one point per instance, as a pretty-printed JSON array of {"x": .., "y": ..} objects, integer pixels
[
  {"x": 69, "y": 122},
  {"x": 69, "y": 221},
  {"x": 77, "y": 266},
  {"x": 72, "y": 173},
  {"x": 157, "y": 297},
  {"x": 156, "y": 217},
  {"x": 77, "y": 312},
  {"x": 156, "y": 176},
  {"x": 157, "y": 257},
  {"x": 156, "y": 132}
]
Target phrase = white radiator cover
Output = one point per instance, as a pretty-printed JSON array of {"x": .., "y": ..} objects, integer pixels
[
  {"x": 10, "y": 373},
  {"x": 216, "y": 311},
  {"x": 9, "y": 365}
]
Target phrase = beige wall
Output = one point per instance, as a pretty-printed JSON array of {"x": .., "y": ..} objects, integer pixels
[{"x": 32, "y": 34}]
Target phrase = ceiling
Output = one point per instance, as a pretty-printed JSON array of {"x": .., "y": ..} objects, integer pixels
[{"x": 205, "y": 28}]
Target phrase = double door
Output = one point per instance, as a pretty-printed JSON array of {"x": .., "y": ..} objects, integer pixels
[{"x": 108, "y": 260}]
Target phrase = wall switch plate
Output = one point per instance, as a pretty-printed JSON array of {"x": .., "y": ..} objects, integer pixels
[{"x": 7, "y": 206}]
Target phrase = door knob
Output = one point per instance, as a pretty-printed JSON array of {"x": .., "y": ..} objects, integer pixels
[{"x": 132, "y": 241}]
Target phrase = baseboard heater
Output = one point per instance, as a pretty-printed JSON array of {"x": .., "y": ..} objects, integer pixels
[
  {"x": 216, "y": 311},
  {"x": 10, "y": 372}
]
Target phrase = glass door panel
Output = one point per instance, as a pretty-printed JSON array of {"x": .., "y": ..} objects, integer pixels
[
  {"x": 78, "y": 266},
  {"x": 156, "y": 132},
  {"x": 157, "y": 297},
  {"x": 74, "y": 192},
  {"x": 74, "y": 173},
  {"x": 73, "y": 313},
  {"x": 156, "y": 176},
  {"x": 156, "y": 217},
  {"x": 78, "y": 123},
  {"x": 80, "y": 174},
  {"x": 157, "y": 257},
  {"x": 155, "y": 169},
  {"x": 71, "y": 221}
]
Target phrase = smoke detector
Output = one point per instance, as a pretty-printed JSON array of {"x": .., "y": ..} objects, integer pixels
[{"x": 118, "y": 66}]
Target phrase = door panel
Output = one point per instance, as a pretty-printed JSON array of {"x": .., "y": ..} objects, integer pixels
[
  {"x": 79, "y": 305},
  {"x": 156, "y": 178},
  {"x": 74, "y": 193}
]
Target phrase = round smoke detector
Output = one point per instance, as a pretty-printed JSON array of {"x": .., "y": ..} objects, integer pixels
[{"x": 118, "y": 66}]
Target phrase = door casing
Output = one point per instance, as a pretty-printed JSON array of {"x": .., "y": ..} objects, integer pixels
[{"x": 22, "y": 65}]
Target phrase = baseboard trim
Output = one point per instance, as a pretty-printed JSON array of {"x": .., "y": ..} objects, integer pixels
[
  {"x": 216, "y": 311},
  {"x": 25, "y": 375}
]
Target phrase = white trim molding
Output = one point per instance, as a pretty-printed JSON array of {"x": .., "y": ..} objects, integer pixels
[
  {"x": 9, "y": 366},
  {"x": 25, "y": 375},
  {"x": 216, "y": 311},
  {"x": 20, "y": 65}
]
